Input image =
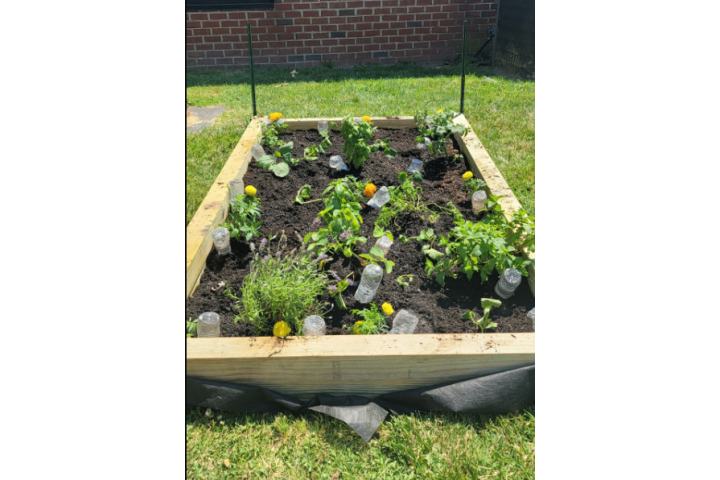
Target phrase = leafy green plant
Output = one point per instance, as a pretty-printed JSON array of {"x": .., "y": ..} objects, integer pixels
[
  {"x": 494, "y": 244},
  {"x": 281, "y": 286},
  {"x": 356, "y": 137},
  {"x": 484, "y": 322},
  {"x": 304, "y": 193},
  {"x": 271, "y": 132},
  {"x": 284, "y": 153},
  {"x": 191, "y": 328},
  {"x": 438, "y": 127},
  {"x": 373, "y": 321},
  {"x": 376, "y": 257},
  {"x": 336, "y": 293},
  {"x": 385, "y": 147},
  {"x": 404, "y": 280},
  {"x": 311, "y": 153},
  {"x": 404, "y": 198},
  {"x": 243, "y": 220},
  {"x": 378, "y": 232},
  {"x": 472, "y": 185}
]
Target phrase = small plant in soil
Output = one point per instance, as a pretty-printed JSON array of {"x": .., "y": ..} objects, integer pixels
[
  {"x": 303, "y": 194},
  {"x": 438, "y": 127},
  {"x": 484, "y": 322},
  {"x": 356, "y": 136},
  {"x": 243, "y": 220},
  {"x": 282, "y": 167},
  {"x": 481, "y": 247},
  {"x": 376, "y": 257},
  {"x": 404, "y": 280},
  {"x": 280, "y": 287},
  {"x": 270, "y": 133},
  {"x": 373, "y": 321},
  {"x": 191, "y": 328},
  {"x": 405, "y": 198},
  {"x": 471, "y": 184}
]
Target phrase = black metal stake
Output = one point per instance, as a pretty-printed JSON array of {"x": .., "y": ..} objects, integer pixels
[
  {"x": 252, "y": 70},
  {"x": 462, "y": 83}
]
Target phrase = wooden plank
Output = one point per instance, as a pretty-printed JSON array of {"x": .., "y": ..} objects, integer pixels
[
  {"x": 366, "y": 365},
  {"x": 380, "y": 122},
  {"x": 214, "y": 207},
  {"x": 483, "y": 166}
]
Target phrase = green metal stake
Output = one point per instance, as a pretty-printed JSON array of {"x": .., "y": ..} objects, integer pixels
[
  {"x": 462, "y": 83},
  {"x": 252, "y": 70}
]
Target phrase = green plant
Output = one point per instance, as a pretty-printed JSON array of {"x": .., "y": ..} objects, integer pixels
[
  {"x": 373, "y": 321},
  {"x": 405, "y": 198},
  {"x": 336, "y": 292},
  {"x": 378, "y": 232},
  {"x": 280, "y": 169},
  {"x": 356, "y": 137},
  {"x": 437, "y": 127},
  {"x": 404, "y": 280},
  {"x": 385, "y": 147},
  {"x": 472, "y": 185},
  {"x": 243, "y": 220},
  {"x": 304, "y": 193},
  {"x": 376, "y": 257},
  {"x": 483, "y": 246},
  {"x": 281, "y": 286},
  {"x": 271, "y": 132},
  {"x": 191, "y": 328},
  {"x": 484, "y": 322}
]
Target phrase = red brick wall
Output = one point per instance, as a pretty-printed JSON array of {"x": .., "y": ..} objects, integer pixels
[{"x": 304, "y": 33}]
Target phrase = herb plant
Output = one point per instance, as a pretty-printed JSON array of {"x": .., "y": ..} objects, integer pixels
[
  {"x": 376, "y": 257},
  {"x": 484, "y": 322},
  {"x": 356, "y": 137},
  {"x": 191, "y": 328},
  {"x": 271, "y": 132},
  {"x": 472, "y": 184},
  {"x": 437, "y": 127},
  {"x": 280, "y": 287},
  {"x": 405, "y": 198},
  {"x": 244, "y": 218},
  {"x": 373, "y": 321}
]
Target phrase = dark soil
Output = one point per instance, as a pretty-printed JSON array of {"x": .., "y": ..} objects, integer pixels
[{"x": 439, "y": 307}]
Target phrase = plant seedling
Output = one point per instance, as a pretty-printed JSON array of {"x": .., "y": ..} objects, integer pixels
[
  {"x": 484, "y": 322},
  {"x": 303, "y": 194},
  {"x": 404, "y": 280},
  {"x": 191, "y": 328}
]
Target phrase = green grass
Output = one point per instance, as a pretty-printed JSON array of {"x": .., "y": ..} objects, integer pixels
[
  {"x": 424, "y": 446},
  {"x": 444, "y": 446},
  {"x": 501, "y": 110}
]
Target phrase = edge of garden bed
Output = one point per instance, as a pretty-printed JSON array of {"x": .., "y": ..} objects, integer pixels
[{"x": 366, "y": 365}]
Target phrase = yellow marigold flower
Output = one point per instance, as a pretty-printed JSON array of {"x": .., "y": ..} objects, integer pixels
[
  {"x": 387, "y": 308},
  {"x": 440, "y": 111},
  {"x": 366, "y": 118},
  {"x": 369, "y": 190},
  {"x": 467, "y": 175},
  {"x": 356, "y": 328},
  {"x": 275, "y": 116},
  {"x": 250, "y": 190},
  {"x": 281, "y": 329}
]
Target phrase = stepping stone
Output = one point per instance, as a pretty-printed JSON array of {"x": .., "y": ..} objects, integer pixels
[{"x": 201, "y": 117}]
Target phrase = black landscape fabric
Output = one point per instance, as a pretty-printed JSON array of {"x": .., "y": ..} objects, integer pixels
[{"x": 503, "y": 392}]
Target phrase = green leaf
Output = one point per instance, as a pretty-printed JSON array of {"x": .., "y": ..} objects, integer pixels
[
  {"x": 440, "y": 278},
  {"x": 286, "y": 149},
  {"x": 389, "y": 266},
  {"x": 434, "y": 254},
  {"x": 491, "y": 325},
  {"x": 469, "y": 315},
  {"x": 390, "y": 152},
  {"x": 377, "y": 252},
  {"x": 489, "y": 302},
  {"x": 281, "y": 169},
  {"x": 266, "y": 161}
]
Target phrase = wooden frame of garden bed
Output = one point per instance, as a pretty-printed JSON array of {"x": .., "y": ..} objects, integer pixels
[{"x": 367, "y": 365}]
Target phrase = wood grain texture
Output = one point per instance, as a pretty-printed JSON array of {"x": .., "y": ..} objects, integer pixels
[
  {"x": 214, "y": 207},
  {"x": 367, "y": 365},
  {"x": 483, "y": 166}
]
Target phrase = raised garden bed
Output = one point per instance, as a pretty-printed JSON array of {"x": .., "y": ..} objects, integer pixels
[{"x": 366, "y": 365}]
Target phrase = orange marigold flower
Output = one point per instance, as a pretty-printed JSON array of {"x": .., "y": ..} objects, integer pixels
[
  {"x": 369, "y": 190},
  {"x": 366, "y": 118},
  {"x": 275, "y": 116}
]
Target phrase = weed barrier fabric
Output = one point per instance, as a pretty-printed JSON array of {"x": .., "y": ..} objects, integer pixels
[{"x": 497, "y": 393}]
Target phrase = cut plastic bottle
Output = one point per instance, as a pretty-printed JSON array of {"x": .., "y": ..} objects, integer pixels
[
  {"x": 415, "y": 165},
  {"x": 336, "y": 163},
  {"x": 404, "y": 323},
  {"x": 323, "y": 127},
  {"x": 508, "y": 283},
  {"x": 384, "y": 243},
  {"x": 425, "y": 143},
  {"x": 314, "y": 325},
  {"x": 221, "y": 239},
  {"x": 381, "y": 197},
  {"x": 208, "y": 325},
  {"x": 257, "y": 152},
  {"x": 478, "y": 201},
  {"x": 237, "y": 187},
  {"x": 531, "y": 315},
  {"x": 369, "y": 283}
]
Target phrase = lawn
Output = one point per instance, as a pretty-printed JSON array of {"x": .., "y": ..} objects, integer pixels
[{"x": 424, "y": 446}]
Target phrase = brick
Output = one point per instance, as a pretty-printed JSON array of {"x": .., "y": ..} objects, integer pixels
[
  {"x": 237, "y": 15},
  {"x": 338, "y": 34},
  {"x": 195, "y": 54},
  {"x": 329, "y": 43},
  {"x": 296, "y": 58},
  {"x": 346, "y": 13},
  {"x": 329, "y": 13},
  {"x": 309, "y": 58},
  {"x": 218, "y": 16},
  {"x": 284, "y": 21},
  {"x": 210, "y": 24},
  {"x": 192, "y": 24},
  {"x": 370, "y": 48}
]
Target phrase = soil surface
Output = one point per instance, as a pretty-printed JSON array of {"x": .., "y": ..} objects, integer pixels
[{"x": 439, "y": 308}]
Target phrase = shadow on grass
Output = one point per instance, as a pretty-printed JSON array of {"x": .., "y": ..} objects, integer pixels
[{"x": 274, "y": 75}]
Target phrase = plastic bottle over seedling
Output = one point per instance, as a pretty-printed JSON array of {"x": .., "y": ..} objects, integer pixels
[
  {"x": 237, "y": 187},
  {"x": 478, "y": 201},
  {"x": 381, "y": 197},
  {"x": 384, "y": 244},
  {"x": 221, "y": 239},
  {"x": 257, "y": 152},
  {"x": 531, "y": 315},
  {"x": 508, "y": 283},
  {"x": 425, "y": 143},
  {"x": 415, "y": 165},
  {"x": 369, "y": 283},
  {"x": 313, "y": 325},
  {"x": 208, "y": 325},
  {"x": 404, "y": 323},
  {"x": 323, "y": 127},
  {"x": 336, "y": 162}
]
